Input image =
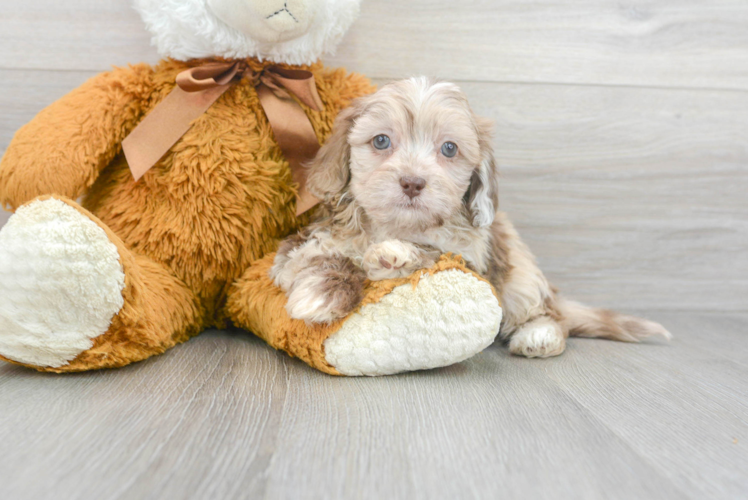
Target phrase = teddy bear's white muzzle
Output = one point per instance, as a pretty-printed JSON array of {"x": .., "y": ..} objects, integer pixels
[{"x": 269, "y": 21}]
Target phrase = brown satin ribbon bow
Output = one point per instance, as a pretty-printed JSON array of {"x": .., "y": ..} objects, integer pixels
[{"x": 196, "y": 91}]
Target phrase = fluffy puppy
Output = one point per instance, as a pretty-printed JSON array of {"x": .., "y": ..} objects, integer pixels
[{"x": 408, "y": 174}]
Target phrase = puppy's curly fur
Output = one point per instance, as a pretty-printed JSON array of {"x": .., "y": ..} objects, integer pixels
[{"x": 396, "y": 196}]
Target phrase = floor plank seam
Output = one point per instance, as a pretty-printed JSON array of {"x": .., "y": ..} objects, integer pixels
[{"x": 455, "y": 80}]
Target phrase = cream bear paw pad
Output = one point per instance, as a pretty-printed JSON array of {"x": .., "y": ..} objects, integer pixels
[
  {"x": 61, "y": 282},
  {"x": 449, "y": 317}
]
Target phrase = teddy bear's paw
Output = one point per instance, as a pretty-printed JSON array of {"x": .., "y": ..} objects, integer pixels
[
  {"x": 448, "y": 317},
  {"x": 541, "y": 338},
  {"x": 61, "y": 283}
]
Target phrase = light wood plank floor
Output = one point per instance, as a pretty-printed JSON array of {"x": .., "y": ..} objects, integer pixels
[{"x": 224, "y": 416}]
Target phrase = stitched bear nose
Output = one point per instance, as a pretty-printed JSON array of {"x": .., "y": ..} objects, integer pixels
[{"x": 412, "y": 186}]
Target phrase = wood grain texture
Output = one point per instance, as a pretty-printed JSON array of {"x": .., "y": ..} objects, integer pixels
[
  {"x": 682, "y": 43},
  {"x": 630, "y": 198},
  {"x": 690, "y": 391},
  {"x": 76, "y": 35},
  {"x": 224, "y": 416}
]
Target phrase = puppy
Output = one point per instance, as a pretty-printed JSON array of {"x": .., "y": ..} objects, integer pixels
[{"x": 407, "y": 175}]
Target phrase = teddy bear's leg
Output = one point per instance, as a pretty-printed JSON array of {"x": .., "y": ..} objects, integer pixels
[
  {"x": 75, "y": 298},
  {"x": 433, "y": 318}
]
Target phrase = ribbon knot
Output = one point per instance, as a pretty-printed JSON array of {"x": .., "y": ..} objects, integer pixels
[{"x": 196, "y": 91}]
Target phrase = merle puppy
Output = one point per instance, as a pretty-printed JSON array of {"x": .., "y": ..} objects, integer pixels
[{"x": 409, "y": 174}]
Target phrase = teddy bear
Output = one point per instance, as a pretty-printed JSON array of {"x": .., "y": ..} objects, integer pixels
[{"x": 149, "y": 201}]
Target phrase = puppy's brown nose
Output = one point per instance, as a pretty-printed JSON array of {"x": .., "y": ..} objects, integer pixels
[{"x": 412, "y": 186}]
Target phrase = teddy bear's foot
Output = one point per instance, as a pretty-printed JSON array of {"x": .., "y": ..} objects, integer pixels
[
  {"x": 61, "y": 284},
  {"x": 433, "y": 318},
  {"x": 446, "y": 318}
]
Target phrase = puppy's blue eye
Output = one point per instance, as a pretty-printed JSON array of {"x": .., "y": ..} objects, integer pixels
[
  {"x": 381, "y": 142},
  {"x": 449, "y": 149}
]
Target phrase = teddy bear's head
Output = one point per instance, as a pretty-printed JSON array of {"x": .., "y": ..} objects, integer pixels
[{"x": 282, "y": 31}]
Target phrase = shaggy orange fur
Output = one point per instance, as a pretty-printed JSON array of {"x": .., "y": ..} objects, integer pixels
[
  {"x": 256, "y": 304},
  {"x": 217, "y": 201}
]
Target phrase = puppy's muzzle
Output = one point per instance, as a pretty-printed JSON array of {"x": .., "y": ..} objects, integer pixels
[{"x": 412, "y": 186}]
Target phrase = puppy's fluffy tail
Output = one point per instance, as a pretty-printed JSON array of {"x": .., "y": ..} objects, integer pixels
[{"x": 584, "y": 321}]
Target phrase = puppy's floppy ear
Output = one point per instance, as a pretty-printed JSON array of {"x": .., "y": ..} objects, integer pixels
[
  {"x": 329, "y": 172},
  {"x": 482, "y": 197}
]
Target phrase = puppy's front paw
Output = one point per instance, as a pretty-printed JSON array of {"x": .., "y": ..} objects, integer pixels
[
  {"x": 390, "y": 259},
  {"x": 541, "y": 338},
  {"x": 292, "y": 255},
  {"x": 311, "y": 308},
  {"x": 326, "y": 292}
]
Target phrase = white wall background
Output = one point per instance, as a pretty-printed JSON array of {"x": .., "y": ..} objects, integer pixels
[{"x": 622, "y": 126}]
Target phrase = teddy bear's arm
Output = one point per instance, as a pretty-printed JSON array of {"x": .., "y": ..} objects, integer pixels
[
  {"x": 434, "y": 317},
  {"x": 65, "y": 147}
]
